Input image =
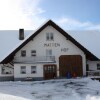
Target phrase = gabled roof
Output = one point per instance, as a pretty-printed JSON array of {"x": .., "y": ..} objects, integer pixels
[
  {"x": 89, "y": 55},
  {"x": 90, "y": 39},
  {"x": 9, "y": 40}
]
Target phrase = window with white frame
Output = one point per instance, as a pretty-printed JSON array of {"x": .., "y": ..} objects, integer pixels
[
  {"x": 33, "y": 69},
  {"x": 49, "y": 36},
  {"x": 6, "y": 70},
  {"x": 49, "y": 52},
  {"x": 33, "y": 52},
  {"x": 98, "y": 66},
  {"x": 23, "y": 69},
  {"x": 3, "y": 70},
  {"x": 23, "y": 53}
]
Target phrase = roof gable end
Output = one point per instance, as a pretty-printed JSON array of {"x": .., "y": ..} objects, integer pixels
[{"x": 89, "y": 55}]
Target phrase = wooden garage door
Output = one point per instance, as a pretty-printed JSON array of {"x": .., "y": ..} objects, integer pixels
[
  {"x": 70, "y": 63},
  {"x": 50, "y": 71}
]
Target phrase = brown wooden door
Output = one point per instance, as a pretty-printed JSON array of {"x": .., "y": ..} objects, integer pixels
[
  {"x": 70, "y": 63},
  {"x": 50, "y": 72}
]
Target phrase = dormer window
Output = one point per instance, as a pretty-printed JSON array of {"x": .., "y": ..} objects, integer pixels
[
  {"x": 23, "y": 53},
  {"x": 49, "y": 36}
]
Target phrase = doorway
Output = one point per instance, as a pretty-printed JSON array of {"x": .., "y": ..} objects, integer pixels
[{"x": 50, "y": 71}]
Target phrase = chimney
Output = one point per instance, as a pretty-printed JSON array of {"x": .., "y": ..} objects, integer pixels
[{"x": 21, "y": 34}]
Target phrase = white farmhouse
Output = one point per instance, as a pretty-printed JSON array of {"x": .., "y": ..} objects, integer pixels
[{"x": 47, "y": 53}]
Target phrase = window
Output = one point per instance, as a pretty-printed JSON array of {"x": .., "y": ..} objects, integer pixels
[
  {"x": 3, "y": 70},
  {"x": 33, "y": 69},
  {"x": 23, "y": 69},
  {"x": 49, "y": 36},
  {"x": 98, "y": 66},
  {"x": 49, "y": 52},
  {"x": 33, "y": 52},
  {"x": 87, "y": 67},
  {"x": 23, "y": 53}
]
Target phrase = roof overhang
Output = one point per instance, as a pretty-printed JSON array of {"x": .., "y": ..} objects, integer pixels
[{"x": 88, "y": 54}]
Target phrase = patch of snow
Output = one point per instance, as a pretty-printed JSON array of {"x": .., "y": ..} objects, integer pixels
[
  {"x": 11, "y": 97},
  {"x": 9, "y": 40},
  {"x": 87, "y": 38},
  {"x": 11, "y": 37},
  {"x": 58, "y": 89}
]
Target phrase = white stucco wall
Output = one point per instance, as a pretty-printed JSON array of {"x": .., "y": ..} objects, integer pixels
[
  {"x": 38, "y": 44},
  {"x": 93, "y": 65},
  {"x": 0, "y": 69},
  {"x": 39, "y": 70}
]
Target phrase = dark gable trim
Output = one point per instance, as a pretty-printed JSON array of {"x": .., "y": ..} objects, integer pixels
[{"x": 89, "y": 55}]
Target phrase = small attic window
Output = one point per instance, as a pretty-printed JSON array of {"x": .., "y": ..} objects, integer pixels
[{"x": 49, "y": 36}]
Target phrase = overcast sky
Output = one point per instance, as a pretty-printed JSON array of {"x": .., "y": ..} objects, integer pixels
[{"x": 69, "y": 14}]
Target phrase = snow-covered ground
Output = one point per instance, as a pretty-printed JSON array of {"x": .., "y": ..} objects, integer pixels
[{"x": 62, "y": 89}]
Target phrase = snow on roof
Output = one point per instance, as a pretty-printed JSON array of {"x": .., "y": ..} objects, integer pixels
[
  {"x": 90, "y": 39},
  {"x": 9, "y": 39}
]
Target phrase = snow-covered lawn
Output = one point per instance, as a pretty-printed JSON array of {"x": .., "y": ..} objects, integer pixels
[{"x": 62, "y": 89}]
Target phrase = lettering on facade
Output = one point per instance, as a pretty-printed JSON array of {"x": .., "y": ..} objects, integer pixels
[
  {"x": 51, "y": 45},
  {"x": 64, "y": 49}
]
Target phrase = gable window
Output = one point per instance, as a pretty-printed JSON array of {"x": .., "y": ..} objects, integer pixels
[
  {"x": 33, "y": 52},
  {"x": 23, "y": 53},
  {"x": 49, "y": 36},
  {"x": 33, "y": 69},
  {"x": 23, "y": 69},
  {"x": 98, "y": 66},
  {"x": 49, "y": 52}
]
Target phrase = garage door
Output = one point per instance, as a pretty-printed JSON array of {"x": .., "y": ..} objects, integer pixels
[{"x": 70, "y": 64}]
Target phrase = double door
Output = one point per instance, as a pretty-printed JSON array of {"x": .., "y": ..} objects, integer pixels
[{"x": 50, "y": 71}]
